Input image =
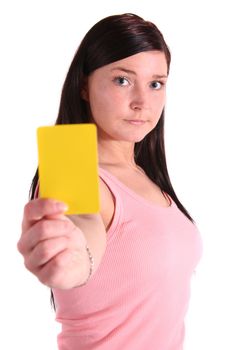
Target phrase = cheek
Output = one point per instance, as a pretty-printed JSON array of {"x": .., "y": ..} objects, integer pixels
[
  {"x": 104, "y": 103},
  {"x": 158, "y": 109},
  {"x": 96, "y": 102},
  {"x": 160, "y": 103},
  {"x": 100, "y": 109}
]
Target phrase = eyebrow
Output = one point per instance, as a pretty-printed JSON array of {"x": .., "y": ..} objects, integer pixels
[{"x": 157, "y": 76}]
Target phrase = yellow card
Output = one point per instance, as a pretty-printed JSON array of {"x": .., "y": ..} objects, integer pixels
[{"x": 68, "y": 166}]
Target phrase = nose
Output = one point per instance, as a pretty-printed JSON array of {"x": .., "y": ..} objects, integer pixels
[{"x": 139, "y": 98}]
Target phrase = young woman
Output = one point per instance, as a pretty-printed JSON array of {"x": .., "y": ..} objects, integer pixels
[{"x": 120, "y": 279}]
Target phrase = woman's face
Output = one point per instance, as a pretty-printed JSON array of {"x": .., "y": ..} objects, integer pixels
[{"x": 127, "y": 97}]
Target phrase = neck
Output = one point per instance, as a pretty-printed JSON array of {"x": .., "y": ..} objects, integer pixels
[{"x": 116, "y": 153}]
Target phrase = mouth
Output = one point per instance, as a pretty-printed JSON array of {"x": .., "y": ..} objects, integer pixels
[{"x": 136, "y": 121}]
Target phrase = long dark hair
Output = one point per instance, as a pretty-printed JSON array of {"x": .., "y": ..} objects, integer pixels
[{"x": 111, "y": 39}]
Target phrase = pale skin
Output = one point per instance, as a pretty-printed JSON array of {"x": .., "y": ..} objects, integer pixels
[{"x": 126, "y": 100}]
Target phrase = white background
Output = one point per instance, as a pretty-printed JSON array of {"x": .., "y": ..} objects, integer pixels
[{"x": 38, "y": 41}]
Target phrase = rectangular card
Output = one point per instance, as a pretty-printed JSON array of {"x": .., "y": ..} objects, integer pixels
[{"x": 68, "y": 166}]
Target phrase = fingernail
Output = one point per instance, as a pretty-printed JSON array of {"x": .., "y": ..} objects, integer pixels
[{"x": 61, "y": 206}]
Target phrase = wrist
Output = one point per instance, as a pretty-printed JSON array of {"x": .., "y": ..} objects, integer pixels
[{"x": 90, "y": 267}]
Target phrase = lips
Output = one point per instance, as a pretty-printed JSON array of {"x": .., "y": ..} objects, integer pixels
[{"x": 136, "y": 121}]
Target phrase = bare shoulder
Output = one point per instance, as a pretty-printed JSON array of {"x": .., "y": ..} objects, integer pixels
[{"x": 106, "y": 204}]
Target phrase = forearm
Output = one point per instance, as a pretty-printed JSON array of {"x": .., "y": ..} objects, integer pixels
[{"x": 94, "y": 231}]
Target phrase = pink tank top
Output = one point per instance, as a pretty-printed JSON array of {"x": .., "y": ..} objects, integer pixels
[{"x": 138, "y": 297}]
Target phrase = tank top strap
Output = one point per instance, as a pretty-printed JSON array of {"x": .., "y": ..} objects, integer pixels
[{"x": 118, "y": 205}]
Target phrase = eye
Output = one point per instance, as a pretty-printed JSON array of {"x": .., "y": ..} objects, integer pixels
[
  {"x": 156, "y": 85},
  {"x": 122, "y": 81}
]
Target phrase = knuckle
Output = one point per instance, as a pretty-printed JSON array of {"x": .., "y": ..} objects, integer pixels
[
  {"x": 49, "y": 279},
  {"x": 43, "y": 251},
  {"x": 49, "y": 275},
  {"x": 43, "y": 227},
  {"x": 43, "y": 278},
  {"x": 32, "y": 208},
  {"x": 27, "y": 209},
  {"x": 68, "y": 226},
  {"x": 28, "y": 265},
  {"x": 57, "y": 263},
  {"x": 22, "y": 247},
  {"x": 19, "y": 246},
  {"x": 45, "y": 204},
  {"x": 37, "y": 207}
]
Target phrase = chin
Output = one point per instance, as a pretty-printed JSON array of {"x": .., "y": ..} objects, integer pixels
[
  {"x": 138, "y": 138},
  {"x": 131, "y": 137},
  {"x": 135, "y": 139}
]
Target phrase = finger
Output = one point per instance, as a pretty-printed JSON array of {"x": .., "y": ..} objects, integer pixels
[
  {"x": 38, "y": 208},
  {"x": 55, "y": 273},
  {"x": 43, "y": 230},
  {"x": 44, "y": 252}
]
